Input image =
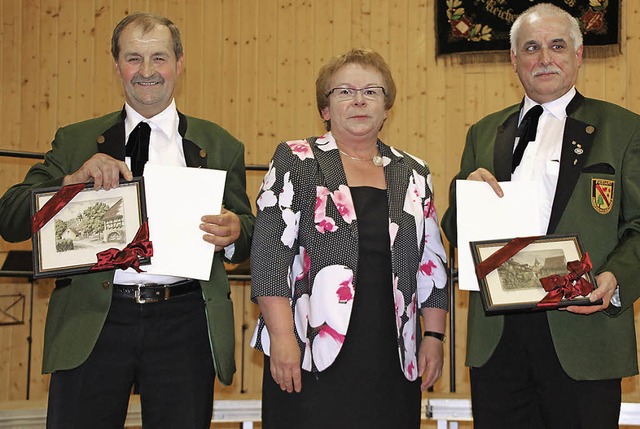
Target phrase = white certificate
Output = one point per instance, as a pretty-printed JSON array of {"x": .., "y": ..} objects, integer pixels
[
  {"x": 177, "y": 197},
  {"x": 482, "y": 215}
]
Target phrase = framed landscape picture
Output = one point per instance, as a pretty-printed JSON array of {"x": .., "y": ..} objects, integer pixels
[
  {"x": 93, "y": 221},
  {"x": 515, "y": 284}
]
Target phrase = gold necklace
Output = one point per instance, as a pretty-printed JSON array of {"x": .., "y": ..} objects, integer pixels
[{"x": 376, "y": 159}]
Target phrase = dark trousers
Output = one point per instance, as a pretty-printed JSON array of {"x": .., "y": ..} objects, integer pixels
[
  {"x": 523, "y": 385},
  {"x": 163, "y": 348}
]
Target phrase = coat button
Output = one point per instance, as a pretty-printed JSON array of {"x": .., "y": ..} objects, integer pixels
[
  {"x": 106, "y": 284},
  {"x": 100, "y": 139},
  {"x": 590, "y": 129},
  {"x": 203, "y": 153}
]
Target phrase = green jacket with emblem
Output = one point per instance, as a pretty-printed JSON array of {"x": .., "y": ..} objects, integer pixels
[
  {"x": 77, "y": 311},
  {"x": 601, "y": 345}
]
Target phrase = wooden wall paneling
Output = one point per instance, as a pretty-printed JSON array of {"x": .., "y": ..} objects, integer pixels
[
  {"x": 154, "y": 6},
  {"x": 25, "y": 121},
  {"x": 592, "y": 78},
  {"x": 85, "y": 69},
  {"x": 63, "y": 106},
  {"x": 304, "y": 110},
  {"x": 397, "y": 124},
  {"x": 230, "y": 59},
  {"x": 6, "y": 353},
  {"x": 211, "y": 57},
  {"x": 248, "y": 379},
  {"x": 415, "y": 92},
  {"x": 175, "y": 9},
  {"x": 442, "y": 165},
  {"x": 191, "y": 83},
  {"x": 285, "y": 71},
  {"x": 341, "y": 40},
  {"x": 361, "y": 23},
  {"x": 322, "y": 27},
  {"x": 47, "y": 78},
  {"x": 119, "y": 9},
  {"x": 11, "y": 84},
  {"x": 249, "y": 78},
  {"x": 267, "y": 131},
  {"x": 380, "y": 32},
  {"x": 106, "y": 86},
  {"x": 17, "y": 55},
  {"x": 616, "y": 72}
]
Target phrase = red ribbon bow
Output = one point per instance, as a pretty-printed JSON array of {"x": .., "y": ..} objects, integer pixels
[
  {"x": 54, "y": 205},
  {"x": 569, "y": 286},
  {"x": 140, "y": 247}
]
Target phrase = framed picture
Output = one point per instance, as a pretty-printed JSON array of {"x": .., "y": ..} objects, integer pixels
[
  {"x": 515, "y": 285},
  {"x": 91, "y": 222}
]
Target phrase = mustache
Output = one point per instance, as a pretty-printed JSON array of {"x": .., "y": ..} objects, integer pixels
[
  {"x": 546, "y": 70},
  {"x": 155, "y": 78}
]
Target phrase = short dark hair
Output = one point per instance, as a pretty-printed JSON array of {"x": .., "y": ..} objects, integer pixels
[
  {"x": 147, "y": 21},
  {"x": 364, "y": 57}
]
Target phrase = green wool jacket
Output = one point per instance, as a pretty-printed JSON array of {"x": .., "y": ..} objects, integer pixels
[
  {"x": 601, "y": 345},
  {"x": 77, "y": 312}
]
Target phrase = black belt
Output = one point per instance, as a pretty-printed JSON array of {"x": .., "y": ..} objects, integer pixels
[{"x": 145, "y": 293}]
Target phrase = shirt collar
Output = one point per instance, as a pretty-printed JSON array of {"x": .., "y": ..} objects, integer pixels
[
  {"x": 166, "y": 121},
  {"x": 557, "y": 107}
]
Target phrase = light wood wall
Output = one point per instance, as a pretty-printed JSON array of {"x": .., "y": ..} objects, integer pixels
[{"x": 251, "y": 67}]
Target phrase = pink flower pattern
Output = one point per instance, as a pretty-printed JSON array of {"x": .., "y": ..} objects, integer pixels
[
  {"x": 344, "y": 203},
  {"x": 322, "y": 296},
  {"x": 301, "y": 148}
]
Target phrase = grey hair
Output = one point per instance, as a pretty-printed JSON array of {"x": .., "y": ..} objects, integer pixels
[{"x": 545, "y": 9}]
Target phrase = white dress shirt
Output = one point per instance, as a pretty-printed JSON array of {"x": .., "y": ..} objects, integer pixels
[
  {"x": 541, "y": 159},
  {"x": 165, "y": 148}
]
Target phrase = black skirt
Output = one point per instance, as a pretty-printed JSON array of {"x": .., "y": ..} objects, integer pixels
[{"x": 365, "y": 386}]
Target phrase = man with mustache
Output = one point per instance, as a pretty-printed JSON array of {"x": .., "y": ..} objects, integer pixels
[
  {"x": 559, "y": 368},
  {"x": 111, "y": 331}
]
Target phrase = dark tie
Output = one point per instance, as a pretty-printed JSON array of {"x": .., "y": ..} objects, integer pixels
[
  {"x": 527, "y": 133},
  {"x": 138, "y": 148}
]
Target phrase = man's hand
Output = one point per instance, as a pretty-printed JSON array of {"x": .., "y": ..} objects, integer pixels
[
  {"x": 221, "y": 230},
  {"x": 103, "y": 169},
  {"x": 607, "y": 284},
  {"x": 483, "y": 175}
]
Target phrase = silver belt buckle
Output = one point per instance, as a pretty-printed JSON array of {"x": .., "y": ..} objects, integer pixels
[{"x": 138, "y": 294}]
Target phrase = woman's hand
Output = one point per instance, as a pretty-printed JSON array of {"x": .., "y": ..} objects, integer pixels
[
  {"x": 430, "y": 361},
  {"x": 285, "y": 351},
  {"x": 285, "y": 362}
]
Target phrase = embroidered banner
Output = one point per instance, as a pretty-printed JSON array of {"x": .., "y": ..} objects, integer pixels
[{"x": 473, "y": 26}]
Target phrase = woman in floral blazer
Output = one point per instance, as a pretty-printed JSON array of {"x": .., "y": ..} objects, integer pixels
[{"x": 306, "y": 264}]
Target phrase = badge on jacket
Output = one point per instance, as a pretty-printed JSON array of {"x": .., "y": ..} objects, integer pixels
[{"x": 602, "y": 195}]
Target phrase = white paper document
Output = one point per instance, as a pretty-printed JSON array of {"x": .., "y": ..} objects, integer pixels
[
  {"x": 482, "y": 215},
  {"x": 177, "y": 197}
]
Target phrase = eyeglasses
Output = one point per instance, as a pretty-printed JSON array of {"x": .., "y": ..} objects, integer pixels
[{"x": 342, "y": 93}]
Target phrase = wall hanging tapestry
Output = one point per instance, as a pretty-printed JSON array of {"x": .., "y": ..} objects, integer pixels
[{"x": 477, "y": 27}]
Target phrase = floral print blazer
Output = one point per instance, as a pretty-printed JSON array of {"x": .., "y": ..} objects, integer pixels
[{"x": 305, "y": 247}]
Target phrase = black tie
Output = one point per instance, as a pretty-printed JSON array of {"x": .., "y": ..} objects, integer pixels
[
  {"x": 138, "y": 148},
  {"x": 527, "y": 133}
]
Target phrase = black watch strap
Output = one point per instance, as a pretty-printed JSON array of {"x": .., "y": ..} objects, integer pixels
[{"x": 437, "y": 335}]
